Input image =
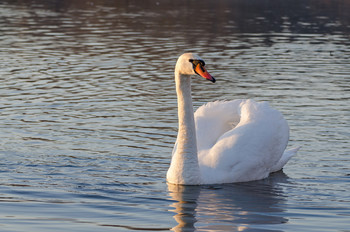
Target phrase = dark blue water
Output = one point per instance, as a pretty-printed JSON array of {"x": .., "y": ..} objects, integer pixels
[{"x": 88, "y": 112}]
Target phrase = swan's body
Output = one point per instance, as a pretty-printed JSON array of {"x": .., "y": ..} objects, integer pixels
[{"x": 224, "y": 141}]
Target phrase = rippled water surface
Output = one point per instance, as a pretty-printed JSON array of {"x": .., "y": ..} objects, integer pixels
[{"x": 88, "y": 112}]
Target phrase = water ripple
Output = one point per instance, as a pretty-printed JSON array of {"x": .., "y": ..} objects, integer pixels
[{"x": 88, "y": 112}]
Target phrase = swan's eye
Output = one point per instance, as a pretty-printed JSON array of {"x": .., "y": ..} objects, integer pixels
[{"x": 196, "y": 62}]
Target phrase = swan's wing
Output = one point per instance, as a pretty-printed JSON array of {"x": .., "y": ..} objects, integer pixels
[
  {"x": 213, "y": 120},
  {"x": 251, "y": 149}
]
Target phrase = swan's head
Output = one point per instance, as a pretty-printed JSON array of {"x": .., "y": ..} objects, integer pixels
[{"x": 191, "y": 64}]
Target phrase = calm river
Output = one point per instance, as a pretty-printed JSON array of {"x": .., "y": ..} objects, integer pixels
[{"x": 88, "y": 113}]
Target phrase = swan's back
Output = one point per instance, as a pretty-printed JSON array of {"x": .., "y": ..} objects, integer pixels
[{"x": 239, "y": 140}]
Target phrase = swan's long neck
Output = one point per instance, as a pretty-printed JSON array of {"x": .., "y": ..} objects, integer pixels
[
  {"x": 184, "y": 167},
  {"x": 187, "y": 143}
]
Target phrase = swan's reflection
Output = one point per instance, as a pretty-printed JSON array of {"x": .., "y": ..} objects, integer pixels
[{"x": 232, "y": 207}]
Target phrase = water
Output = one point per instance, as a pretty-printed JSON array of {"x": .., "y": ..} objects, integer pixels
[{"x": 88, "y": 112}]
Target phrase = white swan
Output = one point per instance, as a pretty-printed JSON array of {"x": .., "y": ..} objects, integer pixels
[{"x": 224, "y": 141}]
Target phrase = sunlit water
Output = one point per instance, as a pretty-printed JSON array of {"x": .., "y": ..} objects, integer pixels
[{"x": 88, "y": 112}]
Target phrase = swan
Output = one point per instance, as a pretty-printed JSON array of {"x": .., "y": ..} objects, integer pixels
[{"x": 224, "y": 141}]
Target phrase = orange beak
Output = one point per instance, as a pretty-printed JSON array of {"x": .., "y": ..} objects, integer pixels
[{"x": 200, "y": 70}]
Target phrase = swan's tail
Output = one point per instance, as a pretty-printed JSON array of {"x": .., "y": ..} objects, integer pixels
[{"x": 284, "y": 159}]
